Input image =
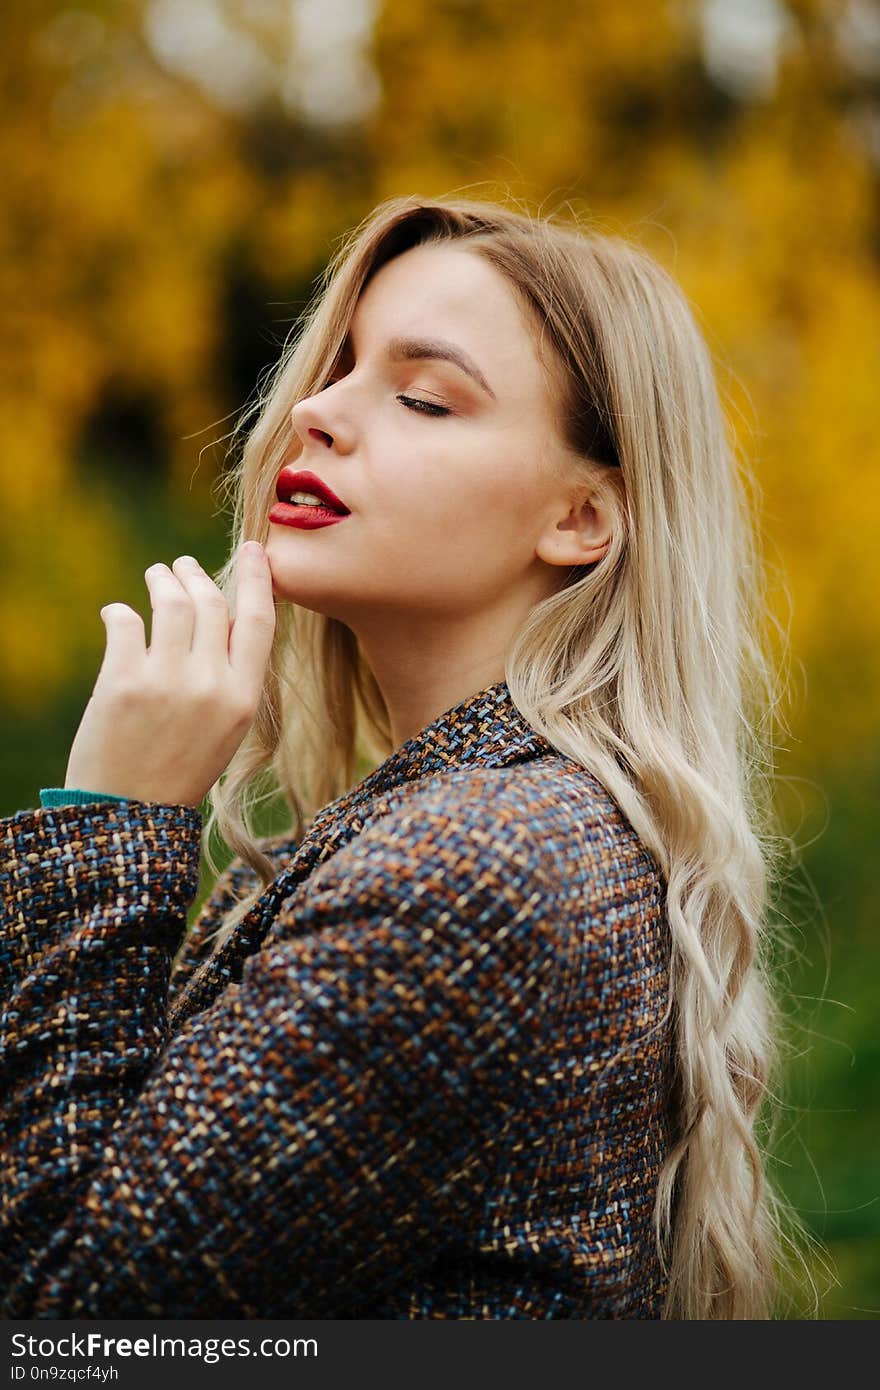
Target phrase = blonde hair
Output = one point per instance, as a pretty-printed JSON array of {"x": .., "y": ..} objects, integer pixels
[{"x": 650, "y": 667}]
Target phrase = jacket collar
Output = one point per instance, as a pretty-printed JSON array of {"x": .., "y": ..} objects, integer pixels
[{"x": 485, "y": 727}]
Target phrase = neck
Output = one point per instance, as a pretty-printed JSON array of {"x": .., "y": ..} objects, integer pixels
[
  {"x": 423, "y": 671},
  {"x": 424, "y": 662}
]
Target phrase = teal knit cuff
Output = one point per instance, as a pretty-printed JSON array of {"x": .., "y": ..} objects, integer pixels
[{"x": 65, "y": 796}]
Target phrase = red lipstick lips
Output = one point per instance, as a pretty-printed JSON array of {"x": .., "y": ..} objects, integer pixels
[{"x": 308, "y": 516}]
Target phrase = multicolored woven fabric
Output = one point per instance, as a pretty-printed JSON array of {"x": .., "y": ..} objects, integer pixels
[{"x": 428, "y": 1076}]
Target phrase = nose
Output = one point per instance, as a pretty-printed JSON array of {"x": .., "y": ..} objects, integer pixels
[
  {"x": 319, "y": 418},
  {"x": 302, "y": 417}
]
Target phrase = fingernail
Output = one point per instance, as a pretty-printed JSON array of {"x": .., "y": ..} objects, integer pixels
[{"x": 254, "y": 548}]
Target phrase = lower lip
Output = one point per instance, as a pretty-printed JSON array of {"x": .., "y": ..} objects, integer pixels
[{"x": 303, "y": 517}]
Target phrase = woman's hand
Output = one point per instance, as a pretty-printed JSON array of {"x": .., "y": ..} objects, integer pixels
[{"x": 163, "y": 724}]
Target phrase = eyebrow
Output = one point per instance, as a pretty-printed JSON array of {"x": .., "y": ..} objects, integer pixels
[{"x": 423, "y": 349}]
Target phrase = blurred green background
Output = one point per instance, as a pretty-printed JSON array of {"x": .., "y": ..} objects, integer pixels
[{"x": 175, "y": 178}]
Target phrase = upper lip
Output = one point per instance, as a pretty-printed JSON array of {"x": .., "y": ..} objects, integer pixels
[{"x": 292, "y": 480}]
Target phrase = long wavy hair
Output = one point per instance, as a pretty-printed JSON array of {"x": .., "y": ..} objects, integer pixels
[{"x": 652, "y": 667}]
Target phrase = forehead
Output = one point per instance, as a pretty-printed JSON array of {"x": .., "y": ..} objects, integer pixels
[{"x": 449, "y": 292}]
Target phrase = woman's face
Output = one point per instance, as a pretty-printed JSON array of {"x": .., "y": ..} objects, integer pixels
[{"x": 446, "y": 475}]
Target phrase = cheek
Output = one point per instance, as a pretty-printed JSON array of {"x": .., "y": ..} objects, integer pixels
[
  {"x": 431, "y": 499},
  {"x": 478, "y": 526},
  {"x": 453, "y": 496},
  {"x": 469, "y": 490}
]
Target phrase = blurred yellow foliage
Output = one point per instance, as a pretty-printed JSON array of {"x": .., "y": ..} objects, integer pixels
[{"x": 132, "y": 198}]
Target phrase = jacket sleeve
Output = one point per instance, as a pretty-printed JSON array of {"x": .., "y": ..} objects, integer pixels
[{"x": 300, "y": 1145}]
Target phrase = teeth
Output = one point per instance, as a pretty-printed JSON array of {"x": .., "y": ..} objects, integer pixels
[{"x": 308, "y": 498}]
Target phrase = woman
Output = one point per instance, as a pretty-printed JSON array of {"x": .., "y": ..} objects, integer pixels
[{"x": 486, "y": 1034}]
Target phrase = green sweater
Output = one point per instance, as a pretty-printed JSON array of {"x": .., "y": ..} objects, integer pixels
[{"x": 66, "y": 796}]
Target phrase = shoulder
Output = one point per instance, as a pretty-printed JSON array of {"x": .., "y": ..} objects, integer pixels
[
  {"x": 548, "y": 815},
  {"x": 441, "y": 900},
  {"x": 454, "y": 839},
  {"x": 536, "y": 840}
]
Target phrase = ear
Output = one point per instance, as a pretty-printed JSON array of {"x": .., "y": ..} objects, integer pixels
[{"x": 579, "y": 535}]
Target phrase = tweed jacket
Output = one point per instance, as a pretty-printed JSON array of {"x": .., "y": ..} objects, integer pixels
[{"x": 428, "y": 1076}]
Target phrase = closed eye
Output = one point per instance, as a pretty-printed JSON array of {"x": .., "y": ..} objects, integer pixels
[
  {"x": 411, "y": 403},
  {"x": 427, "y": 406}
]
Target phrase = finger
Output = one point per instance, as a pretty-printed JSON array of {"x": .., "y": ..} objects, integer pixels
[
  {"x": 210, "y": 639},
  {"x": 250, "y": 641},
  {"x": 173, "y": 616},
  {"x": 126, "y": 639}
]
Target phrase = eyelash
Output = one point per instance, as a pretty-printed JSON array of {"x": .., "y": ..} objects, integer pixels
[
  {"x": 427, "y": 407},
  {"x": 424, "y": 407}
]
